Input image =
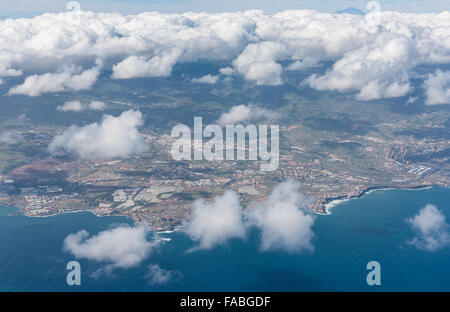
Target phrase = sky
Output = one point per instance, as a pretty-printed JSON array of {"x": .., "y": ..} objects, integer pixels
[{"x": 28, "y": 8}]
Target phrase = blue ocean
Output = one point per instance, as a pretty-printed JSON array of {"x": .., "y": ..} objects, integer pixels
[{"x": 370, "y": 228}]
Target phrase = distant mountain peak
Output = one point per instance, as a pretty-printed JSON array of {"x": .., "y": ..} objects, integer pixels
[{"x": 351, "y": 10}]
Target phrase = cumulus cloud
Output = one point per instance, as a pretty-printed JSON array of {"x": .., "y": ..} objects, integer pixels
[
  {"x": 141, "y": 66},
  {"x": 77, "y": 106},
  {"x": 69, "y": 78},
  {"x": 208, "y": 79},
  {"x": 215, "y": 223},
  {"x": 431, "y": 228},
  {"x": 258, "y": 63},
  {"x": 121, "y": 247},
  {"x": 377, "y": 70},
  {"x": 113, "y": 137},
  {"x": 241, "y": 113},
  {"x": 437, "y": 88},
  {"x": 371, "y": 57},
  {"x": 281, "y": 220}
]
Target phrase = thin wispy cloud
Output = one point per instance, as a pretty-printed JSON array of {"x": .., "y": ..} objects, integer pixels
[{"x": 159, "y": 276}]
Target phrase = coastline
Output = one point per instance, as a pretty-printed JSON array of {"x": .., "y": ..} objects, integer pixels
[
  {"x": 330, "y": 203},
  {"x": 20, "y": 212},
  {"x": 8, "y": 205},
  {"x": 155, "y": 232},
  {"x": 326, "y": 205}
]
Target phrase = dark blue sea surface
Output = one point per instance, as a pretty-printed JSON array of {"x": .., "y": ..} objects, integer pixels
[{"x": 358, "y": 231}]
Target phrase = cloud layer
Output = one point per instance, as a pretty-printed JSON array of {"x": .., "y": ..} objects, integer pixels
[
  {"x": 113, "y": 137},
  {"x": 372, "y": 56},
  {"x": 431, "y": 228}
]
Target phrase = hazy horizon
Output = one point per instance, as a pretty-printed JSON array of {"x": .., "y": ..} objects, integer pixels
[{"x": 27, "y": 8}]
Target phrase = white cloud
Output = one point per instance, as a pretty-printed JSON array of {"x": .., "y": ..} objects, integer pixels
[
  {"x": 307, "y": 63},
  {"x": 208, "y": 79},
  {"x": 376, "y": 70},
  {"x": 140, "y": 66},
  {"x": 372, "y": 58},
  {"x": 412, "y": 100},
  {"x": 241, "y": 113},
  {"x": 97, "y": 105},
  {"x": 74, "y": 106},
  {"x": 113, "y": 137},
  {"x": 258, "y": 63},
  {"x": 226, "y": 71},
  {"x": 77, "y": 106},
  {"x": 431, "y": 227},
  {"x": 281, "y": 219},
  {"x": 121, "y": 247},
  {"x": 215, "y": 223},
  {"x": 8, "y": 72},
  {"x": 437, "y": 88},
  {"x": 283, "y": 223},
  {"x": 69, "y": 78}
]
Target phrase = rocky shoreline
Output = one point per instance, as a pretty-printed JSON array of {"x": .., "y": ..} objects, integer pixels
[{"x": 320, "y": 205}]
